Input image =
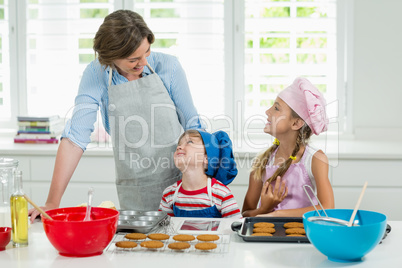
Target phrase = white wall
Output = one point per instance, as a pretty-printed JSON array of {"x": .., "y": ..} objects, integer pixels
[{"x": 377, "y": 59}]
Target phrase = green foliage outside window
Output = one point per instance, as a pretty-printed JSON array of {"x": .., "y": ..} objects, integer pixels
[
  {"x": 1, "y": 101},
  {"x": 249, "y": 43},
  {"x": 275, "y": 88},
  {"x": 32, "y": 43},
  {"x": 1, "y": 87},
  {"x": 164, "y": 42},
  {"x": 1, "y": 13},
  {"x": 159, "y": 1},
  {"x": 274, "y": 58},
  {"x": 264, "y": 103},
  {"x": 306, "y": 58},
  {"x": 274, "y": 42},
  {"x": 164, "y": 13},
  {"x": 322, "y": 88},
  {"x": 93, "y": 13},
  {"x": 275, "y": 12},
  {"x": 249, "y": 88},
  {"x": 86, "y": 58},
  {"x": 263, "y": 88},
  {"x": 306, "y": 12},
  {"x": 33, "y": 13},
  {"x": 311, "y": 42},
  {"x": 85, "y": 43}
]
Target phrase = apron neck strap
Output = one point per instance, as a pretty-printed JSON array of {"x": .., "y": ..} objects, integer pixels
[
  {"x": 111, "y": 72},
  {"x": 150, "y": 68},
  {"x": 110, "y": 75},
  {"x": 209, "y": 189}
]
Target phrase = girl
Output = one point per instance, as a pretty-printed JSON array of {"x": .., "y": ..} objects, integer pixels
[
  {"x": 207, "y": 164},
  {"x": 278, "y": 175}
]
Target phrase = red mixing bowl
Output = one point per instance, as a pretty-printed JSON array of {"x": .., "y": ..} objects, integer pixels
[
  {"x": 5, "y": 237},
  {"x": 73, "y": 237}
]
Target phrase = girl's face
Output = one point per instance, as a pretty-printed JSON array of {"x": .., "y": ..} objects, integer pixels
[
  {"x": 279, "y": 119},
  {"x": 134, "y": 64},
  {"x": 190, "y": 152}
]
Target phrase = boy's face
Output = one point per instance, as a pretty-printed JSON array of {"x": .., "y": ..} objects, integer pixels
[{"x": 190, "y": 153}]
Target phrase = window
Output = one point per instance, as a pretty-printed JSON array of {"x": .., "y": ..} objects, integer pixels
[
  {"x": 5, "y": 98},
  {"x": 59, "y": 38},
  {"x": 284, "y": 40},
  {"x": 237, "y": 54},
  {"x": 194, "y": 32}
]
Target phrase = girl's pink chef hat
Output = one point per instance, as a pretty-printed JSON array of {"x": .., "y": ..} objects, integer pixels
[{"x": 305, "y": 99}]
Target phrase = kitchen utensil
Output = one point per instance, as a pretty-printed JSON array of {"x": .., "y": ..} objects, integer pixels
[
  {"x": 320, "y": 217},
  {"x": 141, "y": 221},
  {"x": 245, "y": 230},
  {"x": 5, "y": 237},
  {"x": 357, "y": 205},
  {"x": 73, "y": 237},
  {"x": 341, "y": 243},
  {"x": 7, "y": 169},
  {"x": 89, "y": 205},
  {"x": 37, "y": 207}
]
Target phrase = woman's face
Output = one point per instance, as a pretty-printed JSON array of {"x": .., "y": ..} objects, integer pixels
[
  {"x": 279, "y": 119},
  {"x": 190, "y": 152},
  {"x": 134, "y": 65}
]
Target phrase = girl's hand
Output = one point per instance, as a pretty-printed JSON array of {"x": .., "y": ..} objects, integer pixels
[{"x": 270, "y": 198}]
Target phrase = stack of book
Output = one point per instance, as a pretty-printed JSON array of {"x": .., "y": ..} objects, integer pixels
[{"x": 33, "y": 129}]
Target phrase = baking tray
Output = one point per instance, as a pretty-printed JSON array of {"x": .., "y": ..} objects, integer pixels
[
  {"x": 141, "y": 221},
  {"x": 245, "y": 230}
]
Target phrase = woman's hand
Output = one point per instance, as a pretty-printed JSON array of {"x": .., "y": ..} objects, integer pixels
[
  {"x": 33, "y": 212},
  {"x": 270, "y": 198}
]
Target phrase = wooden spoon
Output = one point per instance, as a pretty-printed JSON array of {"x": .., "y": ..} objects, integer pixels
[
  {"x": 37, "y": 207},
  {"x": 352, "y": 218}
]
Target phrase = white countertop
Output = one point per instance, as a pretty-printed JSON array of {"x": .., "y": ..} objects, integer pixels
[{"x": 40, "y": 253}]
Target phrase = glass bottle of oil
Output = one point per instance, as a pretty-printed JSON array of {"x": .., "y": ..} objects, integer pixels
[{"x": 19, "y": 213}]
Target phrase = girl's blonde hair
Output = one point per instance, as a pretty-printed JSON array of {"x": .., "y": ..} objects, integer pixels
[{"x": 261, "y": 161}]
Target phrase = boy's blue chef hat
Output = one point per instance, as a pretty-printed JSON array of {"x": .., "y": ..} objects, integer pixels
[{"x": 221, "y": 163}]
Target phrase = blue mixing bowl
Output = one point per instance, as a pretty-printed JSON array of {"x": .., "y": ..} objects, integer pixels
[{"x": 342, "y": 243}]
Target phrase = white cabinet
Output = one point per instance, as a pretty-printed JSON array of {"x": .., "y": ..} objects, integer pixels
[{"x": 96, "y": 168}]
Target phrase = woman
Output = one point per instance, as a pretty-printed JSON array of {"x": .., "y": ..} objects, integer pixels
[{"x": 145, "y": 103}]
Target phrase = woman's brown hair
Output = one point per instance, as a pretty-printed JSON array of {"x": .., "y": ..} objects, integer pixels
[
  {"x": 120, "y": 34},
  {"x": 261, "y": 161}
]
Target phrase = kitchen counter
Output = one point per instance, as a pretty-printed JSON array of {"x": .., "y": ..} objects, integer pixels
[{"x": 40, "y": 253}]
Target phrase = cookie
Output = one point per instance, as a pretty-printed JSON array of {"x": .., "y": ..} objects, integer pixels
[
  {"x": 295, "y": 231},
  {"x": 158, "y": 236},
  {"x": 261, "y": 234},
  {"x": 296, "y": 235},
  {"x": 264, "y": 230},
  {"x": 126, "y": 244},
  {"x": 205, "y": 246},
  {"x": 208, "y": 237},
  {"x": 264, "y": 225},
  {"x": 293, "y": 225},
  {"x": 152, "y": 244},
  {"x": 183, "y": 237},
  {"x": 135, "y": 236},
  {"x": 179, "y": 245}
]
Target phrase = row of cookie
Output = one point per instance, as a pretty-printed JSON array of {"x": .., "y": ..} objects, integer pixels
[
  {"x": 179, "y": 237},
  {"x": 286, "y": 225},
  {"x": 267, "y": 229},
  {"x": 155, "y": 244}
]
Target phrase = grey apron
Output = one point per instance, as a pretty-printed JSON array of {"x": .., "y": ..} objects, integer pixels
[{"x": 144, "y": 128}]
